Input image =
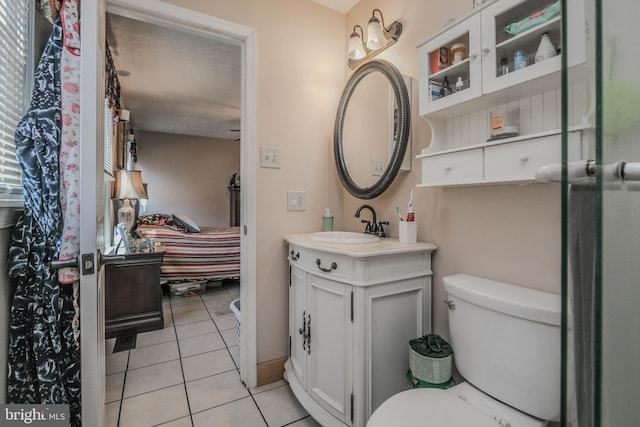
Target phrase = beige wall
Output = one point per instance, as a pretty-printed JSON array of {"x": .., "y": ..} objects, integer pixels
[
  {"x": 510, "y": 233},
  {"x": 188, "y": 174},
  {"x": 300, "y": 59}
]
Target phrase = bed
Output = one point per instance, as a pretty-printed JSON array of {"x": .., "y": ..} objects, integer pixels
[{"x": 192, "y": 253}]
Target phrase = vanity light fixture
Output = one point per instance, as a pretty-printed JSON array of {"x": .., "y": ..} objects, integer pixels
[{"x": 379, "y": 37}]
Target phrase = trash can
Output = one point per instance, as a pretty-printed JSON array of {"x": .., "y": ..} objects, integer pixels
[
  {"x": 430, "y": 360},
  {"x": 235, "y": 308}
]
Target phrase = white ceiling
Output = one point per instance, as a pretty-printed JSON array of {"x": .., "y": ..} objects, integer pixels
[
  {"x": 175, "y": 82},
  {"x": 340, "y": 5}
]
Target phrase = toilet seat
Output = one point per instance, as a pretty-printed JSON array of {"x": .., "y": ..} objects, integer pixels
[
  {"x": 428, "y": 407},
  {"x": 462, "y": 405}
]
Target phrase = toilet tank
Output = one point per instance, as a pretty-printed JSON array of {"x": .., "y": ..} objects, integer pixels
[{"x": 506, "y": 342}]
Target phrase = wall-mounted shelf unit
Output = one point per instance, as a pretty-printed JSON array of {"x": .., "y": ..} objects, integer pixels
[
  {"x": 512, "y": 160},
  {"x": 534, "y": 89}
]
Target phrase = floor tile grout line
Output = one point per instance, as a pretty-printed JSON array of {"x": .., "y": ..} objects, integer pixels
[
  {"x": 213, "y": 375},
  {"x": 295, "y": 421},
  {"x": 154, "y": 364},
  {"x": 124, "y": 383},
  {"x": 230, "y": 355},
  {"x": 225, "y": 342},
  {"x": 153, "y": 391},
  {"x": 184, "y": 380},
  {"x": 269, "y": 389},
  {"x": 259, "y": 410},
  {"x": 222, "y": 404}
]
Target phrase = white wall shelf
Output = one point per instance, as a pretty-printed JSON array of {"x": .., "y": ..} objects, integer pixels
[
  {"x": 510, "y": 160},
  {"x": 460, "y": 121}
]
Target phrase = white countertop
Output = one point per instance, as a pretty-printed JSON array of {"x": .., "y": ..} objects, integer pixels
[{"x": 385, "y": 246}]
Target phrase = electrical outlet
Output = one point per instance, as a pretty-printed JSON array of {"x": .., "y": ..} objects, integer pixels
[
  {"x": 377, "y": 167},
  {"x": 270, "y": 157},
  {"x": 296, "y": 200}
]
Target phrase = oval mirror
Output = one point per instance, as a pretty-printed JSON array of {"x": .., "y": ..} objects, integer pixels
[{"x": 372, "y": 129}]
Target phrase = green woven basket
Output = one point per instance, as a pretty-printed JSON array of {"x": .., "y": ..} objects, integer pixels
[
  {"x": 430, "y": 369},
  {"x": 430, "y": 359}
]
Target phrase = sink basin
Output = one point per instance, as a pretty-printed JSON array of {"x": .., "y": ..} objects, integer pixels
[{"x": 343, "y": 237}]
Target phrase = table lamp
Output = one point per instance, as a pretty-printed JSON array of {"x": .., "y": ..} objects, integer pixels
[{"x": 128, "y": 186}]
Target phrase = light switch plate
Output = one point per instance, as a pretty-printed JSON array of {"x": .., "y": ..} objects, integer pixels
[
  {"x": 377, "y": 167},
  {"x": 270, "y": 157},
  {"x": 296, "y": 200}
]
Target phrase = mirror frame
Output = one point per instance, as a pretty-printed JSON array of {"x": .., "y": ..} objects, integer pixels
[{"x": 404, "y": 126}]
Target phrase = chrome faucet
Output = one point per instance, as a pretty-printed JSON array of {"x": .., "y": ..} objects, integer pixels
[{"x": 372, "y": 226}]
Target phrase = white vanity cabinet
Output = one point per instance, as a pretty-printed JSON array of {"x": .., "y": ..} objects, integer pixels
[{"x": 352, "y": 310}]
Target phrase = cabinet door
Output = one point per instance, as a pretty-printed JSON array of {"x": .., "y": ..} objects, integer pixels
[
  {"x": 497, "y": 45},
  {"x": 466, "y": 32},
  {"x": 329, "y": 369},
  {"x": 395, "y": 313},
  {"x": 298, "y": 323}
]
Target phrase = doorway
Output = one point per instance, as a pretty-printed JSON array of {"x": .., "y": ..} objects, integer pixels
[{"x": 184, "y": 20}]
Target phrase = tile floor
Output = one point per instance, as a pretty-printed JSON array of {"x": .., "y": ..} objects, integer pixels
[{"x": 186, "y": 375}]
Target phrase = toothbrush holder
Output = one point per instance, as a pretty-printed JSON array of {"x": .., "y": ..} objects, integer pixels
[{"x": 408, "y": 232}]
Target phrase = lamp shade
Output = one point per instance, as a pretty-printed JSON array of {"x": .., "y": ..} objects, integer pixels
[
  {"x": 129, "y": 185},
  {"x": 356, "y": 49},
  {"x": 375, "y": 34}
]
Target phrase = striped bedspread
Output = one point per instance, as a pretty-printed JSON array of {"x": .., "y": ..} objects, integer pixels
[{"x": 214, "y": 253}]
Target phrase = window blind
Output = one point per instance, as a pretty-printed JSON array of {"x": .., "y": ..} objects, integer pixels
[
  {"x": 108, "y": 137},
  {"x": 14, "y": 20}
]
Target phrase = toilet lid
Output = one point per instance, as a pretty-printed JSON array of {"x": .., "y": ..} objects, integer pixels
[{"x": 428, "y": 407}]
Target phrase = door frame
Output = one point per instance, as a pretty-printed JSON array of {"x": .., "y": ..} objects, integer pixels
[
  {"x": 92, "y": 346},
  {"x": 179, "y": 18}
]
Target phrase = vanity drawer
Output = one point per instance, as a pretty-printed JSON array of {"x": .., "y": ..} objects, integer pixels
[
  {"x": 318, "y": 262},
  {"x": 453, "y": 168}
]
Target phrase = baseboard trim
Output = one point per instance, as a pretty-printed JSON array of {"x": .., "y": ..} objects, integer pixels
[{"x": 271, "y": 371}]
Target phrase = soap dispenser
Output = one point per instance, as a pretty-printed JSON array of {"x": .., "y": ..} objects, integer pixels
[{"x": 327, "y": 221}]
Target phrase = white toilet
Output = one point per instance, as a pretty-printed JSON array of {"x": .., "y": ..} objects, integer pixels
[{"x": 506, "y": 343}]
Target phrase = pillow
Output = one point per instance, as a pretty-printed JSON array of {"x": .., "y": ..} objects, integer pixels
[
  {"x": 187, "y": 222},
  {"x": 162, "y": 220}
]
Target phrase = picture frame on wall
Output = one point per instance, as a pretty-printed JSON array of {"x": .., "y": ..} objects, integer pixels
[{"x": 122, "y": 130}]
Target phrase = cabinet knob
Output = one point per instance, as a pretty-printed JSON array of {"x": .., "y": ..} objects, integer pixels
[
  {"x": 447, "y": 168},
  {"x": 486, "y": 49},
  {"x": 473, "y": 55},
  {"x": 524, "y": 158}
]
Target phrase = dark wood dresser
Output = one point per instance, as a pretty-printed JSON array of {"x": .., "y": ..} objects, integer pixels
[{"x": 133, "y": 296}]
